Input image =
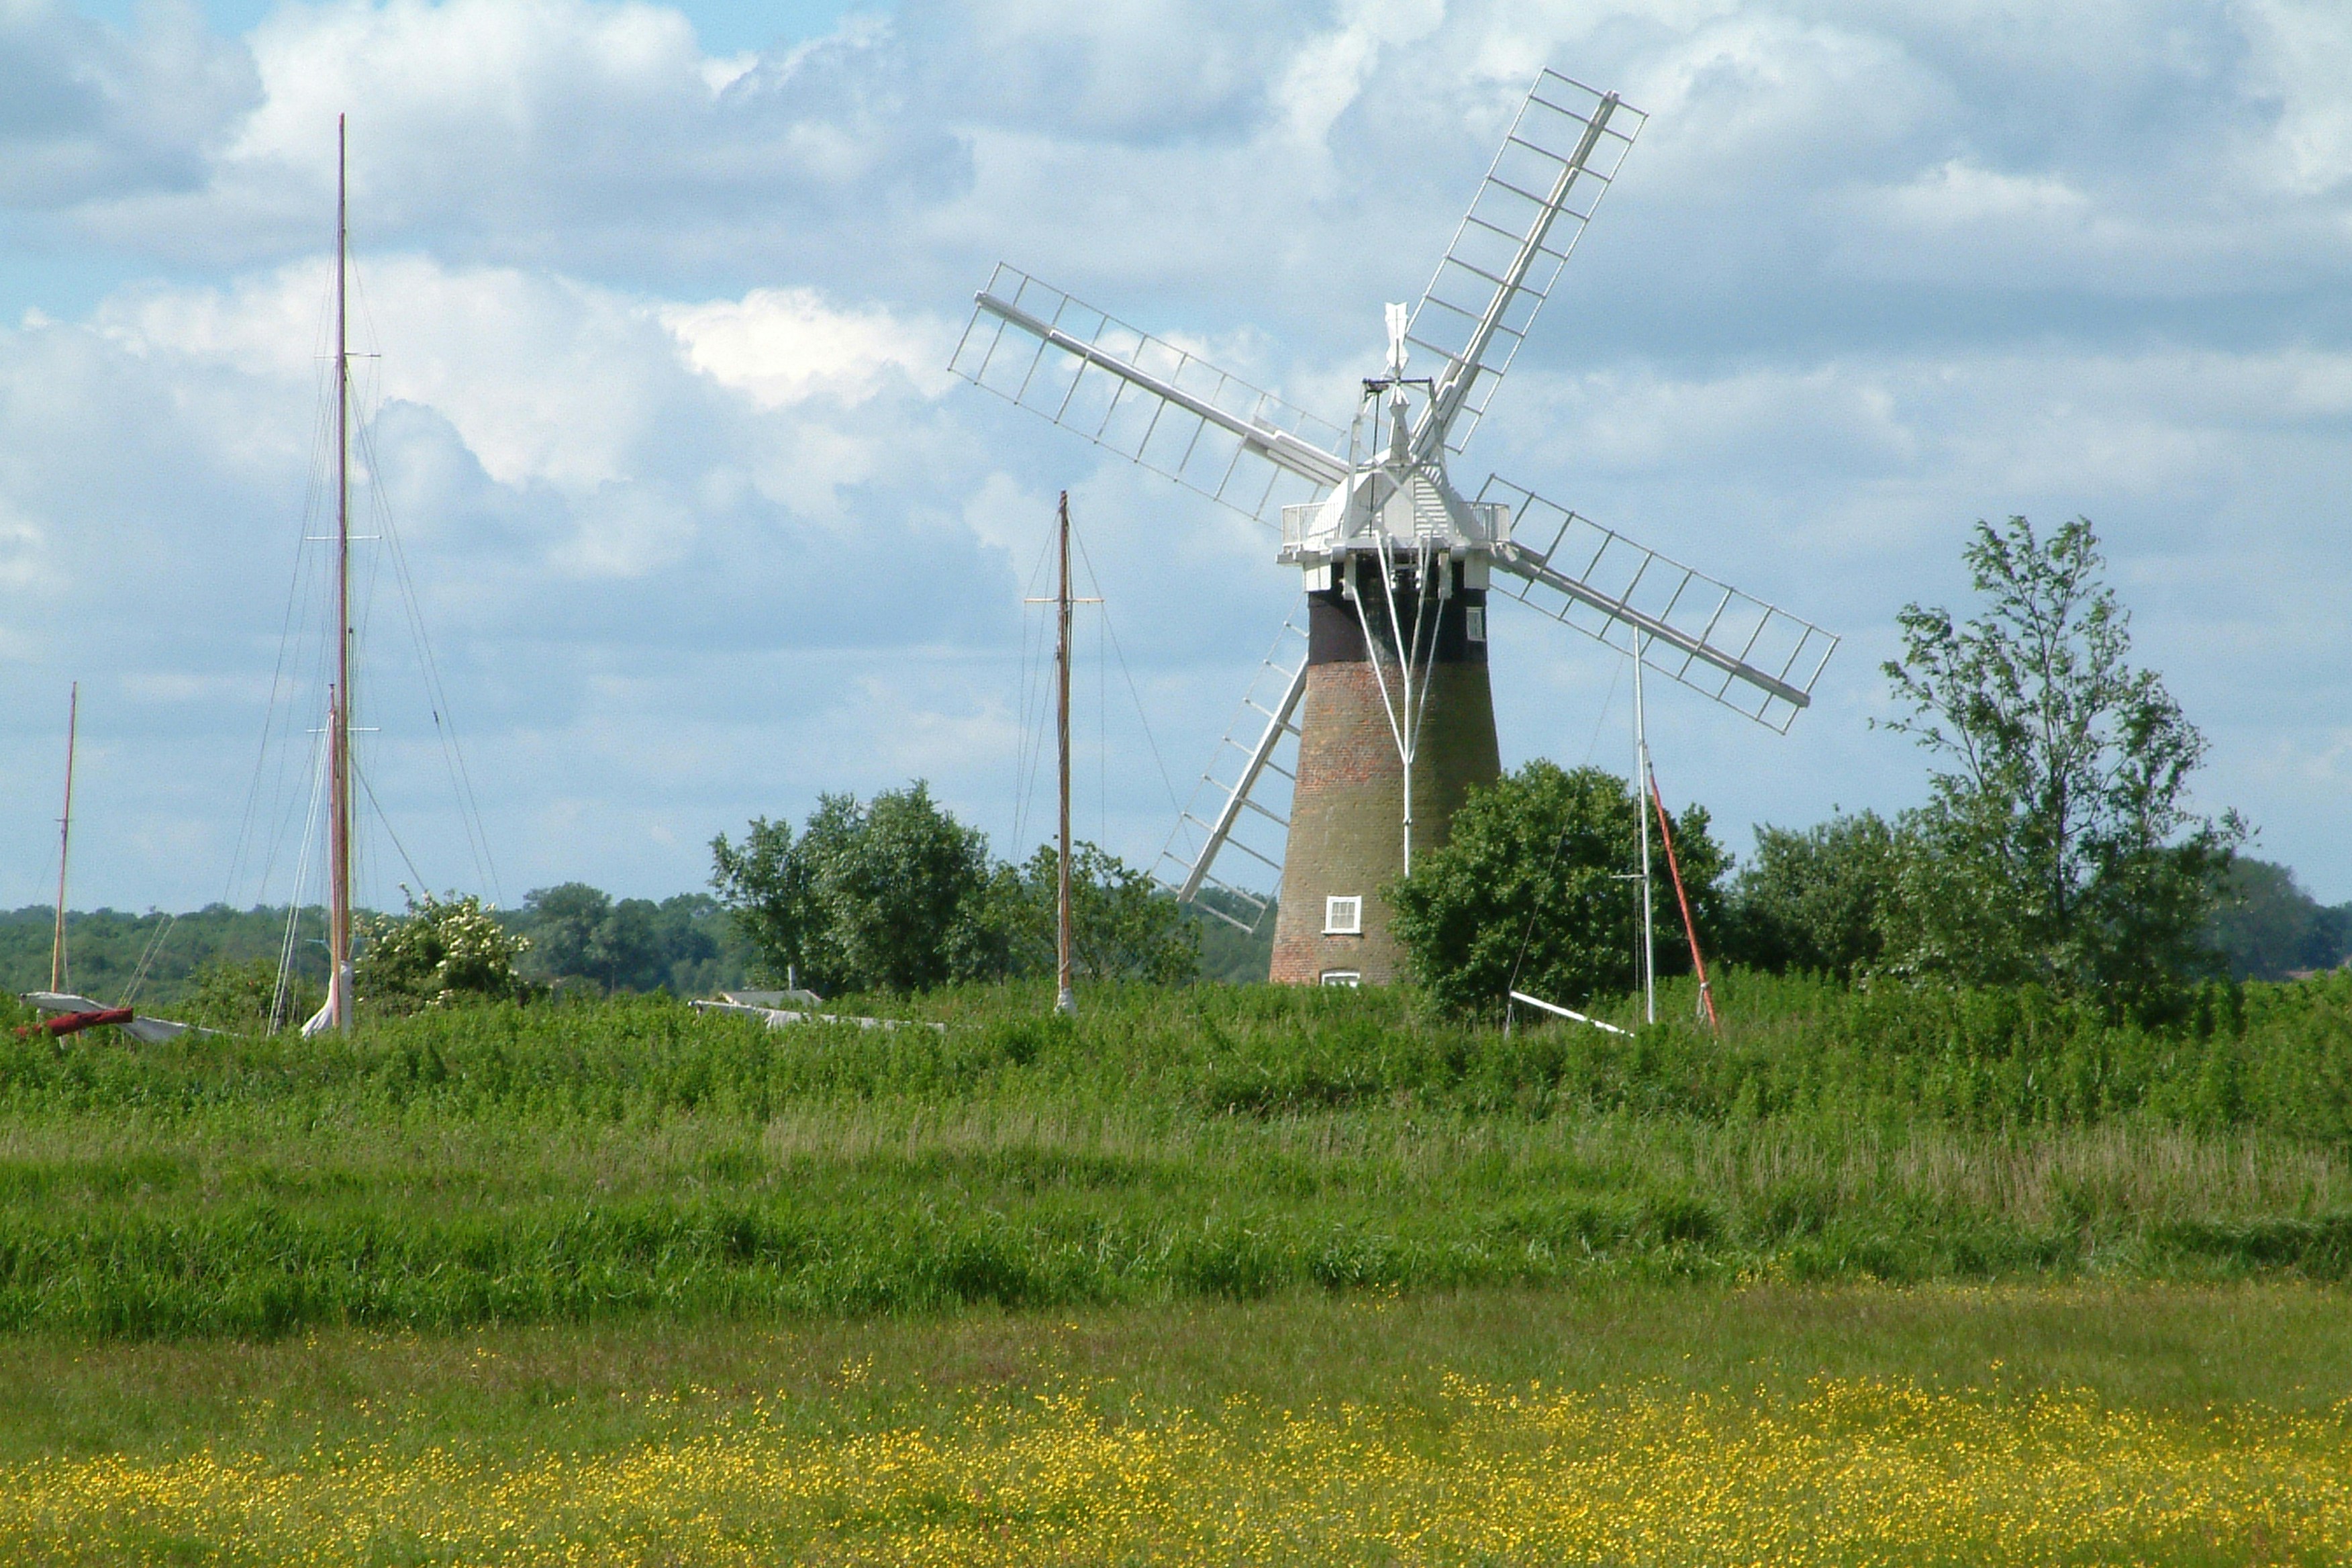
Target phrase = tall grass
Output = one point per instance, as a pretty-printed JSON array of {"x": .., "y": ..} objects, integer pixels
[{"x": 577, "y": 1163}]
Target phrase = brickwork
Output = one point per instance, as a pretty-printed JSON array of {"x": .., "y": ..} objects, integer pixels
[{"x": 1347, "y": 812}]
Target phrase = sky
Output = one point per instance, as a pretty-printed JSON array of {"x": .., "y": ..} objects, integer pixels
[{"x": 660, "y": 454}]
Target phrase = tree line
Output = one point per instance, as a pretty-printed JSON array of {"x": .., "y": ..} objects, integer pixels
[
  {"x": 2059, "y": 846},
  {"x": 894, "y": 894}
]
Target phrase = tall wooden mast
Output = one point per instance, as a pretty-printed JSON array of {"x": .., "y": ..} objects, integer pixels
[
  {"x": 58, "y": 967},
  {"x": 338, "y": 706},
  {"x": 1067, "y": 999}
]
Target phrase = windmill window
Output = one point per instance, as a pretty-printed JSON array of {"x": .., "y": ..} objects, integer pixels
[
  {"x": 1474, "y": 623},
  {"x": 1343, "y": 916},
  {"x": 1350, "y": 978}
]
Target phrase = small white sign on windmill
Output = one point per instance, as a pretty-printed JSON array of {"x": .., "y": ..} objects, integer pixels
[{"x": 1385, "y": 689}]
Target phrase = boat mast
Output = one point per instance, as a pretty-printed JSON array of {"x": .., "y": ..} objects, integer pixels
[
  {"x": 1067, "y": 1000},
  {"x": 64, "y": 841},
  {"x": 1646, "y": 954},
  {"x": 339, "y": 705}
]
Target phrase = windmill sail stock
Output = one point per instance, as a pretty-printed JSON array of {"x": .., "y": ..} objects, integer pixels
[
  {"x": 1384, "y": 526},
  {"x": 1149, "y": 401},
  {"x": 1558, "y": 160},
  {"x": 1749, "y": 655}
]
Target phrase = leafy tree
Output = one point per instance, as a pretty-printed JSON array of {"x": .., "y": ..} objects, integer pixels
[
  {"x": 563, "y": 921},
  {"x": 1532, "y": 890},
  {"x": 2267, "y": 927},
  {"x": 2058, "y": 843},
  {"x": 1121, "y": 927},
  {"x": 634, "y": 944},
  {"x": 887, "y": 896},
  {"x": 1813, "y": 899},
  {"x": 699, "y": 948},
  {"x": 441, "y": 950}
]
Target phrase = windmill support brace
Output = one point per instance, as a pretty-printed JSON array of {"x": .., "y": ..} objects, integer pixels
[
  {"x": 1300, "y": 457},
  {"x": 1519, "y": 563},
  {"x": 1221, "y": 829}
]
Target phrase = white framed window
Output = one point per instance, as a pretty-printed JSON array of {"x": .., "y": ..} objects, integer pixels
[
  {"x": 1343, "y": 915},
  {"x": 1474, "y": 623},
  {"x": 1350, "y": 978}
]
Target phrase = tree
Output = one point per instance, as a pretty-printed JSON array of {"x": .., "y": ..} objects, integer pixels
[
  {"x": 887, "y": 896},
  {"x": 1531, "y": 890},
  {"x": 2267, "y": 927},
  {"x": 563, "y": 922},
  {"x": 632, "y": 944},
  {"x": 441, "y": 950},
  {"x": 2058, "y": 844},
  {"x": 1814, "y": 899},
  {"x": 1121, "y": 927},
  {"x": 1235, "y": 955}
]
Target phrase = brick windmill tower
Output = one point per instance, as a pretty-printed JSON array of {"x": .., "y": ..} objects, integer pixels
[{"x": 1377, "y": 710}]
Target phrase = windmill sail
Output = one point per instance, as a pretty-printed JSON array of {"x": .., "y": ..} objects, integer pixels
[
  {"x": 1230, "y": 800},
  {"x": 1554, "y": 167},
  {"x": 1750, "y": 657},
  {"x": 1146, "y": 399}
]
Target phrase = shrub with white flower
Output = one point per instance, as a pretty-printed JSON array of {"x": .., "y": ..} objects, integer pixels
[{"x": 441, "y": 950}]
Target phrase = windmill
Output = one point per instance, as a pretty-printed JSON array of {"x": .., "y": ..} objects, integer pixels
[{"x": 1385, "y": 689}]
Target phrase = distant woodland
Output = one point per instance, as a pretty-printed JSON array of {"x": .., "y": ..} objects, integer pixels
[
  {"x": 2266, "y": 926},
  {"x": 582, "y": 939}
]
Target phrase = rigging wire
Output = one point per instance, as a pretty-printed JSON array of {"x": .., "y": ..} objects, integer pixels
[
  {"x": 445, "y": 726},
  {"x": 1616, "y": 673},
  {"x": 284, "y": 992},
  {"x": 305, "y": 660},
  {"x": 139, "y": 976},
  {"x": 1035, "y": 691},
  {"x": 384, "y": 817},
  {"x": 443, "y": 712},
  {"x": 279, "y": 716},
  {"x": 1150, "y": 740},
  {"x": 1102, "y": 732}
]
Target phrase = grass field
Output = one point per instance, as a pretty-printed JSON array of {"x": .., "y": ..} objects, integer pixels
[
  {"x": 1659, "y": 1423},
  {"x": 1222, "y": 1274},
  {"x": 581, "y": 1164}
]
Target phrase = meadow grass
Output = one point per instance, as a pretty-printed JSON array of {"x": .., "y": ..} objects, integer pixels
[
  {"x": 1222, "y": 1274},
  {"x": 1660, "y": 1424},
  {"x": 573, "y": 1163}
]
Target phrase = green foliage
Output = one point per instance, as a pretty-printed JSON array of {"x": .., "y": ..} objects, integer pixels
[
  {"x": 1813, "y": 899},
  {"x": 885, "y": 896},
  {"x": 897, "y": 896},
  {"x": 1235, "y": 957},
  {"x": 2268, "y": 928},
  {"x": 440, "y": 951},
  {"x": 1531, "y": 890},
  {"x": 685, "y": 944},
  {"x": 108, "y": 946},
  {"x": 2058, "y": 846},
  {"x": 1121, "y": 927},
  {"x": 243, "y": 998}
]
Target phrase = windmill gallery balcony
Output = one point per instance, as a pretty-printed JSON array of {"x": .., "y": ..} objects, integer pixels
[{"x": 1415, "y": 515}]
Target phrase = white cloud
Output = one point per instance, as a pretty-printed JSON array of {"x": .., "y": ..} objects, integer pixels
[{"x": 785, "y": 346}]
